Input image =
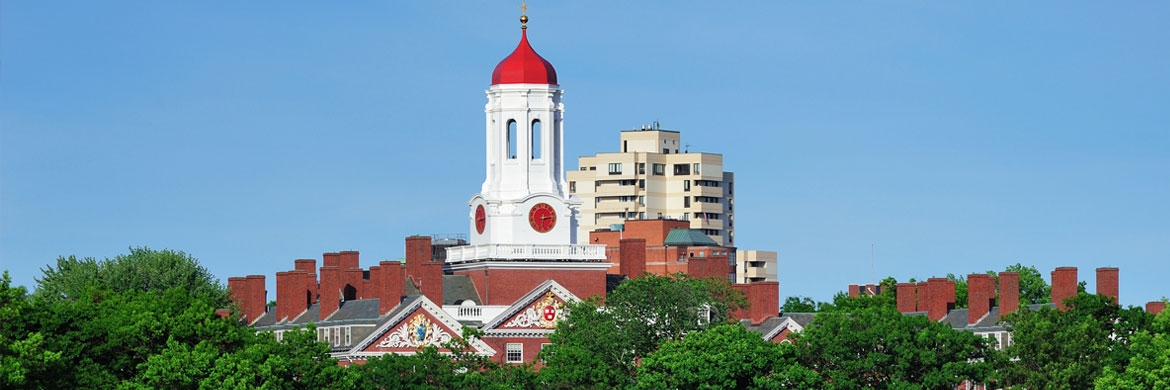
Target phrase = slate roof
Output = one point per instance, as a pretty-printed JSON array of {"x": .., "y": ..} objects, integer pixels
[
  {"x": 459, "y": 288},
  {"x": 688, "y": 237},
  {"x": 356, "y": 310}
]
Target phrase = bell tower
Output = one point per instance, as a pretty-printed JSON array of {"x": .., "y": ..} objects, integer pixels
[
  {"x": 524, "y": 198},
  {"x": 523, "y": 220}
]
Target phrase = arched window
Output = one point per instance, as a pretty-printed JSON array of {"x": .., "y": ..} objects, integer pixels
[
  {"x": 349, "y": 293},
  {"x": 535, "y": 140},
  {"x": 511, "y": 139}
]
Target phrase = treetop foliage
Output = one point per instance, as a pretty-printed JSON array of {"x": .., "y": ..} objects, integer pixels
[{"x": 133, "y": 322}]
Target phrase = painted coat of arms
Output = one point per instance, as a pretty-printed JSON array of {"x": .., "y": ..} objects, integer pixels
[
  {"x": 543, "y": 314},
  {"x": 418, "y": 331}
]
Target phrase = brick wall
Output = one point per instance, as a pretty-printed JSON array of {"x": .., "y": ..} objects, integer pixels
[
  {"x": 980, "y": 296},
  {"x": 505, "y": 286},
  {"x": 249, "y": 294},
  {"x": 1064, "y": 285},
  {"x": 632, "y": 253},
  {"x": 1155, "y": 307},
  {"x": 1009, "y": 293},
  {"x": 907, "y": 297},
  {"x": 1107, "y": 282}
]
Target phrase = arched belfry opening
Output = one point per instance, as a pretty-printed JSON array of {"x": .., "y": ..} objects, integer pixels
[
  {"x": 511, "y": 138},
  {"x": 349, "y": 293},
  {"x": 535, "y": 139}
]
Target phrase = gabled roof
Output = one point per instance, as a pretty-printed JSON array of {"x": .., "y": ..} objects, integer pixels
[
  {"x": 688, "y": 237},
  {"x": 526, "y": 317},
  {"x": 770, "y": 328},
  {"x": 390, "y": 330}
]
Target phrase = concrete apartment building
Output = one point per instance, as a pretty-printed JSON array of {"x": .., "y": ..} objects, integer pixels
[
  {"x": 755, "y": 266},
  {"x": 654, "y": 176}
]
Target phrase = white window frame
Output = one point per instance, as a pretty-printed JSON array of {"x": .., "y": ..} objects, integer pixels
[{"x": 514, "y": 348}]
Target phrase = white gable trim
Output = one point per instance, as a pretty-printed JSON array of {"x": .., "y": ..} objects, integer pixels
[{"x": 406, "y": 309}]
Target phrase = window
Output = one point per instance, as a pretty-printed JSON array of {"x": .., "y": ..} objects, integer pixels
[
  {"x": 534, "y": 141},
  {"x": 641, "y": 168},
  {"x": 686, "y": 185},
  {"x": 615, "y": 168},
  {"x": 642, "y": 183},
  {"x": 665, "y": 151},
  {"x": 515, "y": 353},
  {"x": 627, "y": 198},
  {"x": 627, "y": 182},
  {"x": 641, "y": 215},
  {"x": 686, "y": 201},
  {"x": 682, "y": 169},
  {"x": 659, "y": 169},
  {"x": 348, "y": 335},
  {"x": 572, "y": 186},
  {"x": 706, "y": 183},
  {"x": 583, "y": 169},
  {"x": 696, "y": 168},
  {"x": 511, "y": 139},
  {"x": 707, "y": 199},
  {"x": 642, "y": 200},
  {"x": 592, "y": 168}
]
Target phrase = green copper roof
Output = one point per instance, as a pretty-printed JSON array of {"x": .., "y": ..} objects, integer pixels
[{"x": 688, "y": 237}]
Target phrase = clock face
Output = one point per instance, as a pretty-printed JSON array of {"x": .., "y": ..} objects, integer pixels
[
  {"x": 542, "y": 217},
  {"x": 480, "y": 219}
]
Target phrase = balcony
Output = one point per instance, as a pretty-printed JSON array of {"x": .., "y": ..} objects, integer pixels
[{"x": 585, "y": 252}]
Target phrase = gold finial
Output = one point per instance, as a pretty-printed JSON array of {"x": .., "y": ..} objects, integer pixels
[{"x": 523, "y": 15}]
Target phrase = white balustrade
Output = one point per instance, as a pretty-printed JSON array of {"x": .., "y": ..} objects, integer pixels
[{"x": 584, "y": 252}]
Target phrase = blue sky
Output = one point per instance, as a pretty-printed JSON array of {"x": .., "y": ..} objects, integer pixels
[{"x": 955, "y": 137}]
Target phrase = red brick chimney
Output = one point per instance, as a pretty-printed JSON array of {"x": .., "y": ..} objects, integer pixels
[
  {"x": 292, "y": 294},
  {"x": 393, "y": 285},
  {"x": 330, "y": 288},
  {"x": 1155, "y": 307},
  {"x": 907, "y": 297},
  {"x": 349, "y": 259},
  {"x": 940, "y": 297},
  {"x": 854, "y": 291},
  {"x": 632, "y": 255},
  {"x": 419, "y": 267},
  {"x": 980, "y": 296},
  {"x": 331, "y": 260},
  {"x": 1064, "y": 285},
  {"x": 1107, "y": 282},
  {"x": 249, "y": 295},
  {"x": 310, "y": 267},
  {"x": 1009, "y": 293}
]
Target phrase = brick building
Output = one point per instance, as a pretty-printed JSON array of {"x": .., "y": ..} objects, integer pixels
[{"x": 521, "y": 264}]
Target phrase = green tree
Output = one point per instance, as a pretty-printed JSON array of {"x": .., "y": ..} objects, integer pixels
[
  {"x": 298, "y": 361},
  {"x": 720, "y": 357},
  {"x": 1033, "y": 288},
  {"x": 867, "y": 343},
  {"x": 23, "y": 355},
  {"x": 1070, "y": 349},
  {"x": 797, "y": 304},
  {"x": 960, "y": 290},
  {"x": 1149, "y": 365},
  {"x": 600, "y": 346},
  {"x": 143, "y": 269}
]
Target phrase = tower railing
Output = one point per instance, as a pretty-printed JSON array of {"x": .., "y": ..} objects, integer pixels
[{"x": 530, "y": 252}]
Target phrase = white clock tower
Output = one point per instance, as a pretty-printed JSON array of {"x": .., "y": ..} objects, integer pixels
[
  {"x": 523, "y": 220},
  {"x": 524, "y": 203}
]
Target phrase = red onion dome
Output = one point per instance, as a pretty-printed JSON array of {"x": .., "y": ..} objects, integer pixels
[{"x": 524, "y": 66}]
